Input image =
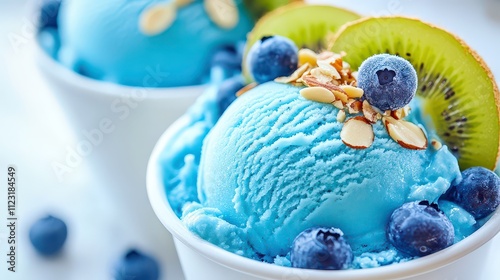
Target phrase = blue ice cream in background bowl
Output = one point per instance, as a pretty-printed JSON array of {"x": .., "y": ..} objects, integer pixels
[{"x": 123, "y": 41}]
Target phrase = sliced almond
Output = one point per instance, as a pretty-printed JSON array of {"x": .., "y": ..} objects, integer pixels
[
  {"x": 224, "y": 13},
  {"x": 307, "y": 56},
  {"x": 321, "y": 76},
  {"x": 352, "y": 92},
  {"x": 340, "y": 94},
  {"x": 397, "y": 114},
  {"x": 245, "y": 89},
  {"x": 370, "y": 113},
  {"x": 406, "y": 111},
  {"x": 337, "y": 64},
  {"x": 341, "y": 116},
  {"x": 354, "y": 106},
  {"x": 338, "y": 104},
  {"x": 318, "y": 94},
  {"x": 327, "y": 67},
  {"x": 157, "y": 18},
  {"x": 406, "y": 134},
  {"x": 400, "y": 113},
  {"x": 295, "y": 75},
  {"x": 180, "y": 3},
  {"x": 357, "y": 133},
  {"x": 355, "y": 75},
  {"x": 436, "y": 144},
  {"x": 325, "y": 55},
  {"x": 312, "y": 81}
]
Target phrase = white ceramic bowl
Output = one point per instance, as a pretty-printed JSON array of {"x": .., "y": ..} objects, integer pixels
[
  {"x": 116, "y": 128},
  {"x": 203, "y": 260}
]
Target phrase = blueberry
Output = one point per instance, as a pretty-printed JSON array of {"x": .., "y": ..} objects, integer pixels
[
  {"x": 272, "y": 57},
  {"x": 48, "y": 235},
  {"x": 321, "y": 248},
  {"x": 389, "y": 81},
  {"x": 420, "y": 229},
  {"x": 228, "y": 57},
  {"x": 48, "y": 13},
  {"x": 478, "y": 192},
  {"x": 227, "y": 92},
  {"x": 137, "y": 266}
]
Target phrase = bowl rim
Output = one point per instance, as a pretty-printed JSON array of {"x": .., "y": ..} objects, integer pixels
[
  {"x": 157, "y": 196},
  {"x": 52, "y": 69}
]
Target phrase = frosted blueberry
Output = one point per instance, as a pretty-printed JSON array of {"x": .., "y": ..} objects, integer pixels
[
  {"x": 321, "y": 248},
  {"x": 389, "y": 81},
  {"x": 420, "y": 229},
  {"x": 478, "y": 192},
  {"x": 272, "y": 57}
]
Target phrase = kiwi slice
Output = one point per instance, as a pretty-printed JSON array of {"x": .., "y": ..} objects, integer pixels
[
  {"x": 258, "y": 8},
  {"x": 456, "y": 88},
  {"x": 309, "y": 26}
]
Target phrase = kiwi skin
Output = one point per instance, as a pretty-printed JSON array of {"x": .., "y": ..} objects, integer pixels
[{"x": 461, "y": 43}]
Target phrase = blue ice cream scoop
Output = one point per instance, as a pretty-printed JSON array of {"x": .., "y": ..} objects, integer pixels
[
  {"x": 274, "y": 165},
  {"x": 150, "y": 43}
]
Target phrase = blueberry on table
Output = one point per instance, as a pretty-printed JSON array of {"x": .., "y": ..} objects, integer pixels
[
  {"x": 419, "y": 229},
  {"x": 137, "y": 266},
  {"x": 226, "y": 93},
  {"x": 272, "y": 57},
  {"x": 321, "y": 248},
  {"x": 48, "y": 235},
  {"x": 48, "y": 13},
  {"x": 389, "y": 82},
  {"x": 478, "y": 192}
]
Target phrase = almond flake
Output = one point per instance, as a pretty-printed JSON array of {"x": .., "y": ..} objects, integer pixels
[
  {"x": 352, "y": 92},
  {"x": 354, "y": 106},
  {"x": 318, "y": 94},
  {"x": 307, "y": 56},
  {"x": 397, "y": 114},
  {"x": 338, "y": 104},
  {"x": 337, "y": 64},
  {"x": 180, "y": 3},
  {"x": 326, "y": 67},
  {"x": 341, "y": 116},
  {"x": 224, "y": 13},
  {"x": 157, "y": 18},
  {"x": 325, "y": 55},
  {"x": 406, "y": 134},
  {"x": 436, "y": 144},
  {"x": 321, "y": 76},
  {"x": 370, "y": 113},
  {"x": 245, "y": 89},
  {"x": 295, "y": 75},
  {"x": 313, "y": 81},
  {"x": 406, "y": 111},
  {"x": 357, "y": 133},
  {"x": 400, "y": 113},
  {"x": 355, "y": 75}
]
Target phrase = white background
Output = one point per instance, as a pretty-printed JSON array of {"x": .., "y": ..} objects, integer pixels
[{"x": 34, "y": 134}]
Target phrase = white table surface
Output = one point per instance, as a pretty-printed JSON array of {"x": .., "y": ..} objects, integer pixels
[{"x": 34, "y": 134}]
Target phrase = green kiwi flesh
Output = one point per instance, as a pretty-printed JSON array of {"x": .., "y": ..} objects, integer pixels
[
  {"x": 307, "y": 25},
  {"x": 258, "y": 8},
  {"x": 456, "y": 89}
]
